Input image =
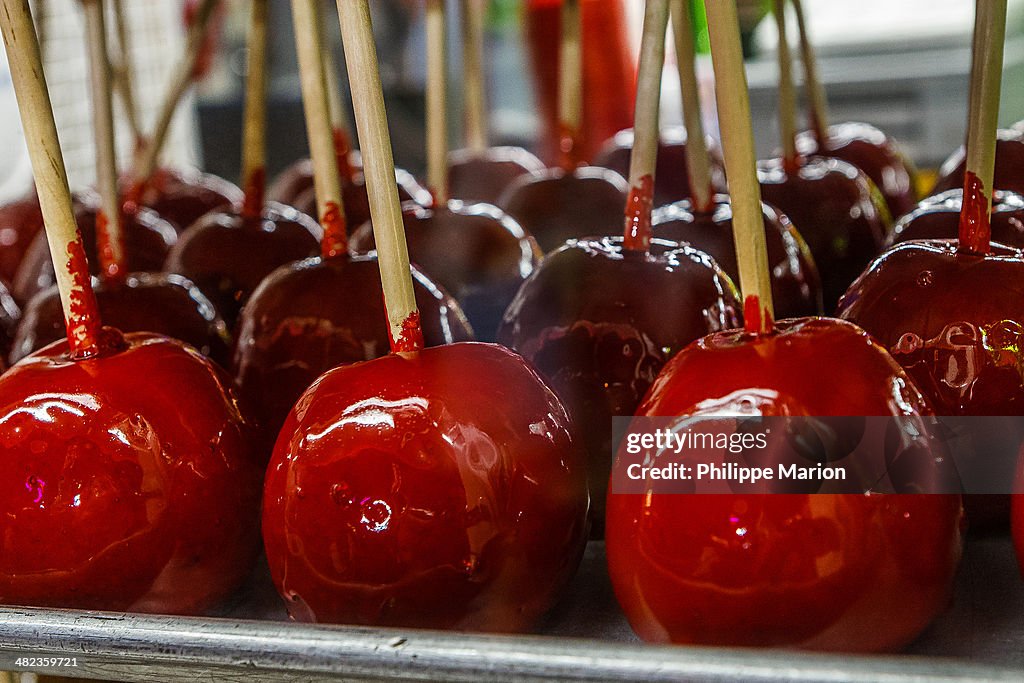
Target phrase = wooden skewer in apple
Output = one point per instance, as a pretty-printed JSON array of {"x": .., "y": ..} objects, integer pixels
[
  {"x": 415, "y": 398},
  {"x": 807, "y": 366},
  {"x": 474, "y": 250},
  {"x": 141, "y": 544}
]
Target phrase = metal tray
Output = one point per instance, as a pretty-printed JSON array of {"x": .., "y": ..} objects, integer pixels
[{"x": 981, "y": 638}]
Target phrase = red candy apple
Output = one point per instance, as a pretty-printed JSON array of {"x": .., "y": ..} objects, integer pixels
[
  {"x": 181, "y": 197},
  {"x": 822, "y": 571},
  {"x": 147, "y": 241},
  {"x": 227, "y": 255},
  {"x": 874, "y": 153},
  {"x": 851, "y": 572},
  {"x": 164, "y": 304},
  {"x": 938, "y": 217},
  {"x": 834, "y": 208},
  {"x": 136, "y": 464},
  {"x": 1007, "y": 176},
  {"x": 405, "y": 490},
  {"x": 796, "y": 287},
  {"x": 484, "y": 175}
]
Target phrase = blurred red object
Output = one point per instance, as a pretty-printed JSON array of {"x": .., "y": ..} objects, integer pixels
[
  {"x": 609, "y": 72},
  {"x": 209, "y": 47}
]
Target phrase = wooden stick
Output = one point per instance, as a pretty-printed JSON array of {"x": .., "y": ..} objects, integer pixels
[
  {"x": 983, "y": 115},
  {"x": 181, "y": 80},
  {"x": 818, "y": 100},
  {"x": 740, "y": 164},
  {"x": 473, "y": 75},
  {"x": 404, "y": 327},
  {"x": 339, "y": 118},
  {"x": 319, "y": 128},
  {"x": 66, "y": 249},
  {"x": 437, "y": 101},
  {"x": 637, "y": 234},
  {"x": 109, "y": 232},
  {"x": 698, "y": 165},
  {"x": 787, "y": 91},
  {"x": 254, "y": 128},
  {"x": 570, "y": 82},
  {"x": 125, "y": 77}
]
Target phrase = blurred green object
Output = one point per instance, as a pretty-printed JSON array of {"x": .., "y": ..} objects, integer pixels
[{"x": 751, "y": 13}]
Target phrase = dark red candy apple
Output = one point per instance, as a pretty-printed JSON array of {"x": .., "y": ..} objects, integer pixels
[
  {"x": 557, "y": 205},
  {"x": 161, "y": 303},
  {"x": 484, "y": 176},
  {"x": 294, "y": 187},
  {"x": 475, "y": 251},
  {"x": 836, "y": 209},
  {"x": 128, "y": 480},
  {"x": 1009, "y": 158},
  {"x": 181, "y": 196},
  {"x": 435, "y": 489},
  {"x": 148, "y": 240},
  {"x": 599, "y": 322},
  {"x": 308, "y": 317},
  {"x": 10, "y": 315},
  {"x": 796, "y": 287},
  {"x": 671, "y": 177},
  {"x": 873, "y": 152},
  {"x": 227, "y": 255},
  {"x": 955, "y": 321},
  {"x": 853, "y": 572},
  {"x": 938, "y": 217}
]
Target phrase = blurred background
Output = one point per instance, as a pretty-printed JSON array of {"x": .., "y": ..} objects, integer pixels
[{"x": 902, "y": 66}]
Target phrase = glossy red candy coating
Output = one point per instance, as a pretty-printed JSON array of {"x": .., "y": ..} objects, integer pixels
[
  {"x": 837, "y": 211},
  {"x": 599, "y": 322},
  {"x": 874, "y": 153},
  {"x": 483, "y": 176},
  {"x": 555, "y": 206},
  {"x": 796, "y": 287},
  {"x": 10, "y": 316},
  {"x": 20, "y": 221},
  {"x": 1009, "y": 161},
  {"x": 955, "y": 322},
  {"x": 148, "y": 240},
  {"x": 938, "y": 217},
  {"x": 832, "y": 572},
  {"x": 439, "y": 489},
  {"x": 294, "y": 187},
  {"x": 293, "y": 329},
  {"x": 182, "y": 196},
  {"x": 128, "y": 480},
  {"x": 475, "y": 251},
  {"x": 145, "y": 302},
  {"x": 932, "y": 308},
  {"x": 671, "y": 177},
  {"x": 227, "y": 255}
]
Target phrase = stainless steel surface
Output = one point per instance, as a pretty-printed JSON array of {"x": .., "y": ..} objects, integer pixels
[{"x": 980, "y": 639}]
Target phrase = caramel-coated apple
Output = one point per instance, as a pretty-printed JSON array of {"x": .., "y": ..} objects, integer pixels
[
  {"x": 796, "y": 287},
  {"x": 842, "y": 572},
  {"x": 227, "y": 255},
  {"x": 588, "y": 319}
]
